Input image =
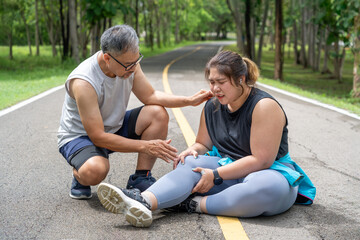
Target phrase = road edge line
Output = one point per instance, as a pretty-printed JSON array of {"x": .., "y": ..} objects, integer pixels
[{"x": 30, "y": 100}]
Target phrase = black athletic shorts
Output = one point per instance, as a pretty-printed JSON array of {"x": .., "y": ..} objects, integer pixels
[{"x": 79, "y": 150}]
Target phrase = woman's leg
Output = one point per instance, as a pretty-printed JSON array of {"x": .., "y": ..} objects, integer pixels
[
  {"x": 176, "y": 186},
  {"x": 265, "y": 192}
]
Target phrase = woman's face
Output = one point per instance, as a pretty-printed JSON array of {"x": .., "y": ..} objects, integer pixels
[{"x": 222, "y": 87}]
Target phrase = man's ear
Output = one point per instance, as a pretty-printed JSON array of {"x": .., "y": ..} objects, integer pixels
[{"x": 106, "y": 58}]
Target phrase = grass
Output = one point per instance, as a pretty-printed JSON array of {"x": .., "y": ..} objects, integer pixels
[
  {"x": 307, "y": 83},
  {"x": 26, "y": 76}
]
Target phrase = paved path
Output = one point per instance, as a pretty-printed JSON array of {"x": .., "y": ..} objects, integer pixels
[{"x": 35, "y": 179}]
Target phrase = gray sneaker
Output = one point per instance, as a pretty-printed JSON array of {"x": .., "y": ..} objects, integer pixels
[{"x": 129, "y": 202}]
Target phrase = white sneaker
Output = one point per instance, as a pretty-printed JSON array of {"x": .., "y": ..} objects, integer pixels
[{"x": 127, "y": 201}]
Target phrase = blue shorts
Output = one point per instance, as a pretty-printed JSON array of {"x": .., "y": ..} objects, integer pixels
[{"x": 79, "y": 150}]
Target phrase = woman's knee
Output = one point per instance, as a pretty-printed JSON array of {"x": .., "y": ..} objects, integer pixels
[{"x": 202, "y": 161}]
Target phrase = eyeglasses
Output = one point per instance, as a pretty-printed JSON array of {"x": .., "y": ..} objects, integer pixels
[{"x": 130, "y": 66}]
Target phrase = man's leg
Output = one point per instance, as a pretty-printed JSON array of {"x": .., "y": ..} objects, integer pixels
[
  {"x": 152, "y": 123},
  {"x": 93, "y": 171},
  {"x": 90, "y": 165}
]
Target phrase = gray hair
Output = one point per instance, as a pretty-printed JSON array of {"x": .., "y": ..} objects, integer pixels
[{"x": 119, "y": 39}]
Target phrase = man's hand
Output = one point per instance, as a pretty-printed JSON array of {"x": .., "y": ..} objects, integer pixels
[
  {"x": 200, "y": 97},
  {"x": 206, "y": 182},
  {"x": 161, "y": 149}
]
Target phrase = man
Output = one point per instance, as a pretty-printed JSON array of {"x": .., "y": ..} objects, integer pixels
[{"x": 95, "y": 123}]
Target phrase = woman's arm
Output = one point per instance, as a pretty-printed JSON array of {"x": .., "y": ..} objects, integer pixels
[
  {"x": 268, "y": 121},
  {"x": 201, "y": 146}
]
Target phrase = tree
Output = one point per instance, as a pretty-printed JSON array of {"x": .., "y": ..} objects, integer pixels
[
  {"x": 49, "y": 14},
  {"x": 8, "y": 10},
  {"x": 356, "y": 52},
  {"x": 234, "y": 7},
  {"x": 73, "y": 31},
  {"x": 279, "y": 58},
  {"x": 37, "y": 34},
  {"x": 23, "y": 9},
  {"x": 261, "y": 39}
]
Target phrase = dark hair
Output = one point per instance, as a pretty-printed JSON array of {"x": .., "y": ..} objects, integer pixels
[
  {"x": 119, "y": 39},
  {"x": 233, "y": 66}
]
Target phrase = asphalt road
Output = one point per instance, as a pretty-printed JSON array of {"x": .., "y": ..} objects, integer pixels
[{"x": 35, "y": 179}]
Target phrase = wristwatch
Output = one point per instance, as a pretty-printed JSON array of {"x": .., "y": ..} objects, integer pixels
[{"x": 217, "y": 179}]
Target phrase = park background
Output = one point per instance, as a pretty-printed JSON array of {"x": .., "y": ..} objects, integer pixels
[{"x": 308, "y": 47}]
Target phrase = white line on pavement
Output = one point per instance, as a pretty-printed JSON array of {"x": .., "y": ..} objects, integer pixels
[{"x": 30, "y": 100}]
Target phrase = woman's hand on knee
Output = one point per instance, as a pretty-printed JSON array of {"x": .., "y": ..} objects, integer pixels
[
  {"x": 206, "y": 181},
  {"x": 181, "y": 157}
]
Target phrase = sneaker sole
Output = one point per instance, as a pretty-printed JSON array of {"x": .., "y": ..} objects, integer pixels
[{"x": 115, "y": 201}]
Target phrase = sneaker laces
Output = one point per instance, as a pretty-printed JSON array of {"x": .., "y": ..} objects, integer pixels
[{"x": 135, "y": 194}]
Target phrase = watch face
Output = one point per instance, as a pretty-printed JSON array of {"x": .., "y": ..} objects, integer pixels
[{"x": 218, "y": 181}]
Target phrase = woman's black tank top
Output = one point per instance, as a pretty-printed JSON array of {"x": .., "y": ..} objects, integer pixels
[{"x": 230, "y": 131}]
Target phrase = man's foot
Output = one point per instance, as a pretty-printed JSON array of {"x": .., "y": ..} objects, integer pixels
[
  {"x": 188, "y": 205},
  {"x": 130, "y": 202},
  {"x": 79, "y": 191},
  {"x": 140, "y": 182}
]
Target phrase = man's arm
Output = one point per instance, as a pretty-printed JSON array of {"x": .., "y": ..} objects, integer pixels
[
  {"x": 147, "y": 95},
  {"x": 86, "y": 100}
]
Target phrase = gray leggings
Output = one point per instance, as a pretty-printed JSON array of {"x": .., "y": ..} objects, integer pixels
[{"x": 266, "y": 192}]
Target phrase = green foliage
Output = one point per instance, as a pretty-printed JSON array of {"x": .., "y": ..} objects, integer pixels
[{"x": 305, "y": 82}]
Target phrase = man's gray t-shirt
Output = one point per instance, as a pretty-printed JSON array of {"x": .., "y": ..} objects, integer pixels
[{"x": 113, "y": 97}]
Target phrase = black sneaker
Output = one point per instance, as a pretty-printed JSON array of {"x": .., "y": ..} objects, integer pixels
[
  {"x": 188, "y": 205},
  {"x": 130, "y": 202},
  {"x": 140, "y": 182},
  {"x": 79, "y": 191}
]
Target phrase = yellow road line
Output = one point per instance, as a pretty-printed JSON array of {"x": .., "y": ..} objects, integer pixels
[{"x": 231, "y": 227}]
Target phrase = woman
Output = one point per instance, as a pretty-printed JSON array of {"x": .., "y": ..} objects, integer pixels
[{"x": 239, "y": 165}]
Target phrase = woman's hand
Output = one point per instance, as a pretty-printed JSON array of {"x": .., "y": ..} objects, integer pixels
[
  {"x": 206, "y": 181},
  {"x": 184, "y": 154}
]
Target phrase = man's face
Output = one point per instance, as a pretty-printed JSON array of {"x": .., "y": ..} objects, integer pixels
[{"x": 125, "y": 64}]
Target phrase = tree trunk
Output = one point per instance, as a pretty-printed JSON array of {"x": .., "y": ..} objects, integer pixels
[
  {"x": 278, "y": 41},
  {"x": 338, "y": 61},
  {"x": 271, "y": 32},
  {"x": 145, "y": 12},
  {"x": 151, "y": 29},
  {"x": 310, "y": 38},
  {"x": 261, "y": 39},
  {"x": 356, "y": 79},
  {"x": 158, "y": 25},
  {"x": 10, "y": 36},
  {"x": 22, "y": 13},
  {"x": 248, "y": 50},
  {"x": 137, "y": 17},
  {"x": 319, "y": 48},
  {"x": 233, "y": 6},
  {"x": 95, "y": 39},
  {"x": 303, "y": 38},
  {"x": 50, "y": 27},
  {"x": 65, "y": 36},
  {"x": 73, "y": 31},
  {"x": 325, "y": 68},
  {"x": 177, "y": 40},
  {"x": 84, "y": 36},
  {"x": 37, "y": 32}
]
